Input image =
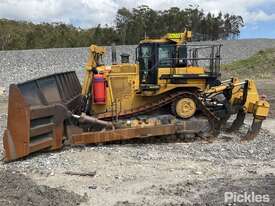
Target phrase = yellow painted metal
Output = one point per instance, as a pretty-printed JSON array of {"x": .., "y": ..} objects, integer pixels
[
  {"x": 180, "y": 71},
  {"x": 86, "y": 83},
  {"x": 261, "y": 108},
  {"x": 237, "y": 91},
  {"x": 189, "y": 35},
  {"x": 123, "y": 84},
  {"x": 123, "y": 79},
  {"x": 252, "y": 96},
  {"x": 95, "y": 54},
  {"x": 253, "y": 103},
  {"x": 178, "y": 38},
  {"x": 166, "y": 85},
  {"x": 217, "y": 89},
  {"x": 234, "y": 85},
  {"x": 185, "y": 108}
]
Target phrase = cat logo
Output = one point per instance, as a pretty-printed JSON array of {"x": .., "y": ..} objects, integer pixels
[{"x": 174, "y": 35}]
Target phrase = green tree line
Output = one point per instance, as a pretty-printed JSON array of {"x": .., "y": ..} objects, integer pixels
[{"x": 130, "y": 26}]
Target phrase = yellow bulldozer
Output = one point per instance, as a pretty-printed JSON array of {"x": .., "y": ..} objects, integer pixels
[{"x": 174, "y": 88}]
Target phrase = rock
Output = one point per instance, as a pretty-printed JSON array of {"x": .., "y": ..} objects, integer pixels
[
  {"x": 44, "y": 202},
  {"x": 2, "y": 91},
  {"x": 93, "y": 187},
  {"x": 198, "y": 173},
  {"x": 252, "y": 171},
  {"x": 42, "y": 188}
]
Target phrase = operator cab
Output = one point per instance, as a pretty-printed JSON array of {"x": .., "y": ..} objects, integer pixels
[
  {"x": 166, "y": 52},
  {"x": 152, "y": 56}
]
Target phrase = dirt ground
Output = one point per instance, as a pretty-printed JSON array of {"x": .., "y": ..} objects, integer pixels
[
  {"x": 16, "y": 189},
  {"x": 164, "y": 171}
]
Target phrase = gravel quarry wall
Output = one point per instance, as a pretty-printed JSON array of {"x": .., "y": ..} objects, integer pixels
[{"x": 19, "y": 66}]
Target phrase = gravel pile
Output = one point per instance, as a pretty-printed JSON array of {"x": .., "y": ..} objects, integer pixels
[{"x": 19, "y": 66}]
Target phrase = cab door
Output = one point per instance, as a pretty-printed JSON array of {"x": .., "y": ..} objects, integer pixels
[{"x": 148, "y": 64}]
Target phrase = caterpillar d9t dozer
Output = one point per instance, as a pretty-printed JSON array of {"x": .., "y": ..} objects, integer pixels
[{"x": 174, "y": 88}]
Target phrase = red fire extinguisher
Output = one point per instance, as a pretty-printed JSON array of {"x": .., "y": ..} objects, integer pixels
[{"x": 99, "y": 89}]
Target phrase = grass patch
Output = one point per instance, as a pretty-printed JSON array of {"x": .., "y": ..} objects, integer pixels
[{"x": 259, "y": 66}]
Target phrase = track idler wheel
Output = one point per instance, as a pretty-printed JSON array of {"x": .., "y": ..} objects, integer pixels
[
  {"x": 253, "y": 130},
  {"x": 238, "y": 122},
  {"x": 184, "y": 107}
]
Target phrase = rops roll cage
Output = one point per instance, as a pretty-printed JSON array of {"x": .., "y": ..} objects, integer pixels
[{"x": 206, "y": 55}]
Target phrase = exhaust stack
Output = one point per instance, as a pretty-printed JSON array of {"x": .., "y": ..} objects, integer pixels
[{"x": 113, "y": 49}]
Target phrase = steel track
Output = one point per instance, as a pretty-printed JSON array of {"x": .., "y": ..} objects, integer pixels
[{"x": 214, "y": 121}]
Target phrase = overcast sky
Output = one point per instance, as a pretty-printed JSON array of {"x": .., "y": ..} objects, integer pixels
[{"x": 259, "y": 15}]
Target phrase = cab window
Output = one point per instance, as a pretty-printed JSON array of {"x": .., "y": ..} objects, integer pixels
[
  {"x": 165, "y": 56},
  {"x": 146, "y": 57},
  {"x": 146, "y": 51}
]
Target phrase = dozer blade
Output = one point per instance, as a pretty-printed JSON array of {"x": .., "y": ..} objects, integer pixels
[
  {"x": 36, "y": 113},
  {"x": 253, "y": 130},
  {"x": 238, "y": 122}
]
